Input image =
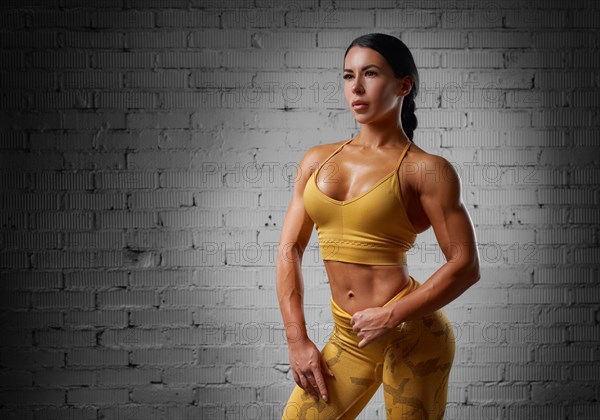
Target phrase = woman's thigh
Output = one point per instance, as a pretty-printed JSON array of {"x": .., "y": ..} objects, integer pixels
[
  {"x": 416, "y": 369},
  {"x": 355, "y": 381}
]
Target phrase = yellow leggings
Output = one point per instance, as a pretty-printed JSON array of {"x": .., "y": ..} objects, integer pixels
[{"x": 413, "y": 362}]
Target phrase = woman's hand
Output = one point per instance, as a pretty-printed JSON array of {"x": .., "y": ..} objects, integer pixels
[
  {"x": 307, "y": 366},
  {"x": 372, "y": 323}
]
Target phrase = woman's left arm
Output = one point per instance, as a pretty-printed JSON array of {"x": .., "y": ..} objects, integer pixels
[{"x": 440, "y": 196}]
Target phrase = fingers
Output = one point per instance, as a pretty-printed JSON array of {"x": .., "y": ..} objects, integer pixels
[
  {"x": 308, "y": 384},
  {"x": 314, "y": 383},
  {"x": 303, "y": 382},
  {"x": 320, "y": 383}
]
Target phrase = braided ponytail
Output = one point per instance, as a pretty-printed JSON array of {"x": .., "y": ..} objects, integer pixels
[
  {"x": 403, "y": 64},
  {"x": 407, "y": 115}
]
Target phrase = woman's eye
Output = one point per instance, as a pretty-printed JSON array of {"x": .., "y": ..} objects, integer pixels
[{"x": 368, "y": 73}]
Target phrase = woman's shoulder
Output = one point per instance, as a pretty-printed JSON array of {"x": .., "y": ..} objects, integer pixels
[
  {"x": 420, "y": 156},
  {"x": 426, "y": 167}
]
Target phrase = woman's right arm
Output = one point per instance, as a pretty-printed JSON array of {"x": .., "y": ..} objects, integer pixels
[{"x": 306, "y": 362}]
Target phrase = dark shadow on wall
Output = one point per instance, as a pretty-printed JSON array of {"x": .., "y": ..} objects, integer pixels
[{"x": 557, "y": 162}]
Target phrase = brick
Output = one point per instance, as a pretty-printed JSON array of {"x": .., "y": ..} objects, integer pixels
[
  {"x": 329, "y": 18},
  {"x": 94, "y": 40},
  {"x": 465, "y": 18},
  {"x": 19, "y": 378},
  {"x": 65, "y": 338},
  {"x": 58, "y": 59},
  {"x": 448, "y": 39},
  {"x": 191, "y": 297},
  {"x": 469, "y": 373},
  {"x": 210, "y": 59},
  {"x": 185, "y": 18},
  {"x": 124, "y": 19},
  {"x": 250, "y": 374},
  {"x": 125, "y": 100},
  {"x": 130, "y": 411},
  {"x": 167, "y": 120},
  {"x": 127, "y": 298},
  {"x": 287, "y": 39},
  {"x": 498, "y": 119},
  {"x": 505, "y": 392},
  {"x": 30, "y": 358},
  {"x": 561, "y": 40},
  {"x": 12, "y": 60},
  {"x": 128, "y": 376},
  {"x": 28, "y": 79},
  {"x": 194, "y": 374},
  {"x": 561, "y": 392},
  {"x": 152, "y": 40},
  {"x": 531, "y": 18},
  {"x": 114, "y": 4},
  {"x": 232, "y": 38},
  {"x": 128, "y": 60},
  {"x": 499, "y": 39},
  {"x": 29, "y": 40},
  {"x": 96, "y": 318},
  {"x": 133, "y": 338},
  {"x": 32, "y": 397},
  {"x": 258, "y": 18},
  {"x": 165, "y": 317},
  {"x": 523, "y": 411},
  {"x": 52, "y": 378},
  {"x": 97, "y": 396},
  {"x": 157, "y": 4},
  {"x": 12, "y": 19},
  {"x": 562, "y": 353},
  {"x": 471, "y": 59},
  {"x": 149, "y": 239},
  {"x": 161, "y": 394},
  {"x": 162, "y": 356},
  {"x": 60, "y": 19}
]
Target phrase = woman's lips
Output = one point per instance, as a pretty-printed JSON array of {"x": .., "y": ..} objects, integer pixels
[{"x": 358, "y": 107}]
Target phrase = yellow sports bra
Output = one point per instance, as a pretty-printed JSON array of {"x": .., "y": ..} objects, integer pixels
[{"x": 372, "y": 228}]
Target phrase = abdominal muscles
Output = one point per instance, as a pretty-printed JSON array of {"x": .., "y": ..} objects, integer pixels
[{"x": 355, "y": 287}]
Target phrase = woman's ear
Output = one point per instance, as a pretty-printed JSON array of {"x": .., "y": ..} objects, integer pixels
[{"x": 406, "y": 85}]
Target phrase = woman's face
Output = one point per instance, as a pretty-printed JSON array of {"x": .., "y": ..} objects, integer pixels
[{"x": 370, "y": 79}]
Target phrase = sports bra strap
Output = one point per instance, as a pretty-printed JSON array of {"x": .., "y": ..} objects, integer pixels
[
  {"x": 331, "y": 155},
  {"x": 338, "y": 149},
  {"x": 403, "y": 154}
]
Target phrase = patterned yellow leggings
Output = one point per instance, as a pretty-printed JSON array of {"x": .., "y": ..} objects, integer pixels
[{"x": 413, "y": 362}]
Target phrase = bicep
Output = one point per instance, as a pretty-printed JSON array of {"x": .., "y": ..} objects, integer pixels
[{"x": 440, "y": 198}]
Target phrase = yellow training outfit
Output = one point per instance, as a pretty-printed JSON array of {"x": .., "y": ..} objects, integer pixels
[{"x": 413, "y": 361}]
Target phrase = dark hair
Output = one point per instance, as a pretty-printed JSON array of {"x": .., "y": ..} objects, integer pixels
[{"x": 401, "y": 60}]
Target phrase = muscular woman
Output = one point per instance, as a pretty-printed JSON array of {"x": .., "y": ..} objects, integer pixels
[{"x": 369, "y": 197}]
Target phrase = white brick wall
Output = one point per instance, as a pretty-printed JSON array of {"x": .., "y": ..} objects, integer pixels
[{"x": 148, "y": 149}]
